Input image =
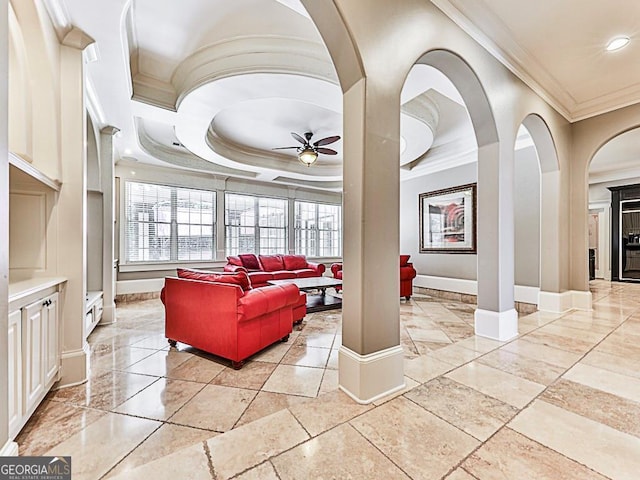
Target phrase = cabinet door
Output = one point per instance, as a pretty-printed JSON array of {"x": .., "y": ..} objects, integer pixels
[
  {"x": 32, "y": 353},
  {"x": 50, "y": 337},
  {"x": 15, "y": 372}
]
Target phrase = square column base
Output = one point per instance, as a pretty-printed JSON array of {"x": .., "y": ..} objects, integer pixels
[
  {"x": 500, "y": 326},
  {"x": 367, "y": 378},
  {"x": 74, "y": 368},
  {"x": 564, "y": 302}
]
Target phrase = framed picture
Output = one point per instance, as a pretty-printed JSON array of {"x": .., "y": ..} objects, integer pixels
[{"x": 448, "y": 220}]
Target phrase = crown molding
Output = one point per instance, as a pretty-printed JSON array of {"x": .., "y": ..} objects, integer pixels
[
  {"x": 59, "y": 16},
  {"x": 77, "y": 38}
]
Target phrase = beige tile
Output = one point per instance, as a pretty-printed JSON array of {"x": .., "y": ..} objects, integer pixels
[
  {"x": 118, "y": 359},
  {"x": 614, "y": 383},
  {"x": 424, "y": 368},
  {"x": 307, "y": 356},
  {"x": 454, "y": 355},
  {"x": 398, "y": 429},
  {"x": 155, "y": 342},
  {"x": 160, "y": 400},
  {"x": 323, "y": 340},
  {"x": 593, "y": 444},
  {"x": 471, "y": 411},
  {"x": 266, "y": 403},
  {"x": 198, "y": 368},
  {"x": 264, "y": 471},
  {"x": 525, "y": 367},
  {"x": 340, "y": 453},
  {"x": 480, "y": 344},
  {"x": 509, "y": 455},
  {"x": 53, "y": 423},
  {"x": 603, "y": 407},
  {"x": 612, "y": 363},
  {"x": 327, "y": 411},
  {"x": 252, "y": 376},
  {"x": 573, "y": 333},
  {"x": 214, "y": 408},
  {"x": 459, "y": 474},
  {"x": 160, "y": 364},
  {"x": 104, "y": 443},
  {"x": 189, "y": 464},
  {"x": 273, "y": 353},
  {"x": 332, "y": 363},
  {"x": 513, "y": 390},
  {"x": 163, "y": 442},
  {"x": 545, "y": 353},
  {"x": 574, "y": 345},
  {"x": 105, "y": 391},
  {"x": 294, "y": 380},
  {"x": 330, "y": 381},
  {"x": 247, "y": 446},
  {"x": 428, "y": 335}
]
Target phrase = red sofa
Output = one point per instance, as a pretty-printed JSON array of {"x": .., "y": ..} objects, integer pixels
[
  {"x": 262, "y": 268},
  {"x": 226, "y": 320},
  {"x": 407, "y": 274}
]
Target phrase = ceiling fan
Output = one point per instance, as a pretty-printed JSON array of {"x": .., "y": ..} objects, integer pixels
[{"x": 308, "y": 152}]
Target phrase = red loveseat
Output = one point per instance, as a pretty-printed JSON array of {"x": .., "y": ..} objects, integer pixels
[
  {"x": 225, "y": 320},
  {"x": 407, "y": 274},
  {"x": 262, "y": 268}
]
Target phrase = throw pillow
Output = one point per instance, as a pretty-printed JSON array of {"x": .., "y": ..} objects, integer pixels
[
  {"x": 271, "y": 263},
  {"x": 235, "y": 278},
  {"x": 249, "y": 261},
  {"x": 294, "y": 262}
]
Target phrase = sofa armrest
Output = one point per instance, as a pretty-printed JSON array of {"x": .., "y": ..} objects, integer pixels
[
  {"x": 319, "y": 268},
  {"x": 335, "y": 268},
  {"x": 234, "y": 268},
  {"x": 263, "y": 300},
  {"x": 407, "y": 272}
]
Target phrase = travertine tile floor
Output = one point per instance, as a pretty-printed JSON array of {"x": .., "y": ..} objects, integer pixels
[{"x": 562, "y": 401}]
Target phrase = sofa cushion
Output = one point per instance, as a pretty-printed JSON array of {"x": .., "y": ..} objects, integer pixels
[
  {"x": 283, "y": 275},
  {"x": 250, "y": 261},
  {"x": 238, "y": 278},
  {"x": 294, "y": 262},
  {"x": 259, "y": 279},
  {"x": 231, "y": 260},
  {"x": 268, "y": 299},
  {"x": 305, "y": 273},
  {"x": 271, "y": 263},
  {"x": 404, "y": 259}
]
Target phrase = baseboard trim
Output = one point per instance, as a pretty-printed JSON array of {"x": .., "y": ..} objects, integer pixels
[
  {"x": 10, "y": 449},
  {"x": 367, "y": 378},
  {"x": 501, "y": 326},
  {"x": 108, "y": 315},
  {"x": 125, "y": 287},
  {"x": 564, "y": 302},
  {"x": 521, "y": 293},
  {"x": 74, "y": 368}
]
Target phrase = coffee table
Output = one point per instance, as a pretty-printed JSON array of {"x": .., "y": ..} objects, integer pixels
[{"x": 316, "y": 303}]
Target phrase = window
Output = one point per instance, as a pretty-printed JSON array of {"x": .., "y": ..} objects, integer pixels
[
  {"x": 255, "y": 224},
  {"x": 318, "y": 229},
  {"x": 165, "y": 224}
]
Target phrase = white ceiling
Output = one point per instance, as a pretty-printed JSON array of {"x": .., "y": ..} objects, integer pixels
[{"x": 164, "y": 76}]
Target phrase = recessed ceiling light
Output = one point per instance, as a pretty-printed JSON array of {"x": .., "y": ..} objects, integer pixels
[{"x": 617, "y": 43}]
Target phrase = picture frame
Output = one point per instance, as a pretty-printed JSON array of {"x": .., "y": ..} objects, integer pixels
[{"x": 448, "y": 220}]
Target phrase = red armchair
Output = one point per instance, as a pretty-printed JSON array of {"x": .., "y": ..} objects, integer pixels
[
  {"x": 407, "y": 274},
  {"x": 225, "y": 320}
]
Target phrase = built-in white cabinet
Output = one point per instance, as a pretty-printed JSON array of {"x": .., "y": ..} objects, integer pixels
[
  {"x": 15, "y": 370},
  {"x": 34, "y": 348},
  {"x": 93, "y": 311}
]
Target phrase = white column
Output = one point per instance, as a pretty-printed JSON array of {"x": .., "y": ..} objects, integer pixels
[
  {"x": 108, "y": 226},
  {"x": 6, "y": 447},
  {"x": 495, "y": 316},
  {"x": 72, "y": 226},
  {"x": 371, "y": 358}
]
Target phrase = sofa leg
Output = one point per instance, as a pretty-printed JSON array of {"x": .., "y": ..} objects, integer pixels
[
  {"x": 172, "y": 343},
  {"x": 237, "y": 365},
  {"x": 407, "y": 298},
  {"x": 285, "y": 338}
]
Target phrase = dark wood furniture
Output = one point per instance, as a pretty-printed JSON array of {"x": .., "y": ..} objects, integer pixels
[{"x": 318, "y": 302}]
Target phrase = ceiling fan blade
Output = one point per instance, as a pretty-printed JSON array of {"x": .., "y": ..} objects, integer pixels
[
  {"x": 326, "y": 141},
  {"x": 298, "y": 138},
  {"x": 285, "y": 148},
  {"x": 326, "y": 151}
]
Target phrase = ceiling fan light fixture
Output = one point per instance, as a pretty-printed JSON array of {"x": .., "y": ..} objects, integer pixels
[
  {"x": 308, "y": 156},
  {"x": 617, "y": 43}
]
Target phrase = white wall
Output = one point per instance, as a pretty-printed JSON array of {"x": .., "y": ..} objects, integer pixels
[{"x": 437, "y": 264}]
